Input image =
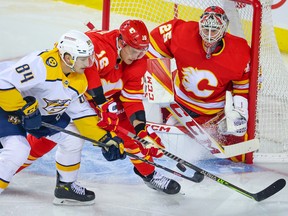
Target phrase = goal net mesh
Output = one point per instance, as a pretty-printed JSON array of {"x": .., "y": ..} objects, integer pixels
[{"x": 271, "y": 125}]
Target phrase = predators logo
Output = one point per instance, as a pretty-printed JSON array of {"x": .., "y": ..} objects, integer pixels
[
  {"x": 56, "y": 106},
  {"x": 14, "y": 119},
  {"x": 51, "y": 62}
]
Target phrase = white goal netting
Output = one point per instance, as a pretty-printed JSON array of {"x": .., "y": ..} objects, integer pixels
[{"x": 271, "y": 121}]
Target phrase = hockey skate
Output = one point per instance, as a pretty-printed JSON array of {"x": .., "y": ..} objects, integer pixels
[
  {"x": 72, "y": 194},
  {"x": 160, "y": 183}
]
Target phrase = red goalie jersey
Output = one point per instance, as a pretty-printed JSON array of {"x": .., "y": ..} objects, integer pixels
[{"x": 200, "y": 82}]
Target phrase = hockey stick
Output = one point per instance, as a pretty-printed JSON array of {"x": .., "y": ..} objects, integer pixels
[
  {"x": 202, "y": 137},
  {"x": 264, "y": 194},
  {"x": 181, "y": 162},
  {"x": 259, "y": 196},
  {"x": 230, "y": 150},
  {"x": 163, "y": 92},
  {"x": 195, "y": 178},
  {"x": 170, "y": 129},
  {"x": 181, "y": 130},
  {"x": 159, "y": 89}
]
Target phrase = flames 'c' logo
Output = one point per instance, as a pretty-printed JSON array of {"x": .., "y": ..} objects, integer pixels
[
  {"x": 198, "y": 81},
  {"x": 132, "y": 30}
]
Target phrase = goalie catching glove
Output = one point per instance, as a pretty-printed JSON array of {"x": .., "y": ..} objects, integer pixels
[
  {"x": 114, "y": 149},
  {"x": 154, "y": 146},
  {"x": 236, "y": 116},
  {"x": 108, "y": 115}
]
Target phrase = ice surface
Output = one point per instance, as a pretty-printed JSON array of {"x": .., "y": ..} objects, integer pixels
[{"x": 32, "y": 25}]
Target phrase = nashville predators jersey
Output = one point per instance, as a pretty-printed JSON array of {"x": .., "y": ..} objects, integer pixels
[
  {"x": 200, "y": 83},
  {"x": 40, "y": 75}
]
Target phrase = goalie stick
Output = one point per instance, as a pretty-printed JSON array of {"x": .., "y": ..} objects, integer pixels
[
  {"x": 262, "y": 195},
  {"x": 196, "y": 178},
  {"x": 202, "y": 137},
  {"x": 181, "y": 130},
  {"x": 159, "y": 89}
]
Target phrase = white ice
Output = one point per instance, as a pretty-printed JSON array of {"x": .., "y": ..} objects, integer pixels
[{"x": 30, "y": 25}]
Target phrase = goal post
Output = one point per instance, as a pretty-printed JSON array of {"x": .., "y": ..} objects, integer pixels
[{"x": 251, "y": 19}]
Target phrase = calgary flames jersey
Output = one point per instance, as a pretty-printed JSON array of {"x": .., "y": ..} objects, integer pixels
[
  {"x": 114, "y": 75},
  {"x": 200, "y": 83}
]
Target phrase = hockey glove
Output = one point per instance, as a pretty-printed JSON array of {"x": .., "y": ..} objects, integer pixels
[
  {"x": 114, "y": 149},
  {"x": 236, "y": 116},
  {"x": 108, "y": 115},
  {"x": 154, "y": 146},
  {"x": 30, "y": 114}
]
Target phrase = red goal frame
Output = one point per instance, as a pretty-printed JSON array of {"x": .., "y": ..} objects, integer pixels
[{"x": 255, "y": 49}]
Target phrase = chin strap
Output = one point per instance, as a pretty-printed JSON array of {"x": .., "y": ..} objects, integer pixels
[
  {"x": 70, "y": 66},
  {"x": 118, "y": 53},
  {"x": 73, "y": 69}
]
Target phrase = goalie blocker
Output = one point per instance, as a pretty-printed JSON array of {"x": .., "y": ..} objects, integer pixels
[{"x": 158, "y": 89}]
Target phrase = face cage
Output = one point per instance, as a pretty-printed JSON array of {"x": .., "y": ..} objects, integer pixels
[{"x": 212, "y": 27}]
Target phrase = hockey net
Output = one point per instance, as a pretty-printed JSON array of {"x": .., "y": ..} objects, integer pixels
[{"x": 251, "y": 19}]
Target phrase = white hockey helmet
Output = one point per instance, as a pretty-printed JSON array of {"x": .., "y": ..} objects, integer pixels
[
  {"x": 213, "y": 24},
  {"x": 77, "y": 44}
]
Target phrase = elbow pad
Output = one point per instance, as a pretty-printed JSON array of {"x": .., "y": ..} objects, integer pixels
[
  {"x": 139, "y": 115},
  {"x": 97, "y": 95}
]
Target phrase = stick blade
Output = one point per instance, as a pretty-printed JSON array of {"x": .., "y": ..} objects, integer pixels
[
  {"x": 181, "y": 167},
  {"x": 198, "y": 177},
  {"x": 270, "y": 190}
]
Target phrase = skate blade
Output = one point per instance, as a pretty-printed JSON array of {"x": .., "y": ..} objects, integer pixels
[
  {"x": 160, "y": 190},
  {"x": 70, "y": 202}
]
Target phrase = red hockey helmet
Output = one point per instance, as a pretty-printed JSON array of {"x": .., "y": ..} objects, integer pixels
[
  {"x": 213, "y": 24},
  {"x": 135, "y": 34}
]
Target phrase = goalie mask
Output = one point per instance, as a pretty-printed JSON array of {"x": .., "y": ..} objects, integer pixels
[
  {"x": 77, "y": 44},
  {"x": 213, "y": 25}
]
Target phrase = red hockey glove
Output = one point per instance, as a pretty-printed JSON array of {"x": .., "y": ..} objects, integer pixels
[
  {"x": 155, "y": 145},
  {"x": 108, "y": 115}
]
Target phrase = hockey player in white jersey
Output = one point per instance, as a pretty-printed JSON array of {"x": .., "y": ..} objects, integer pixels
[{"x": 49, "y": 86}]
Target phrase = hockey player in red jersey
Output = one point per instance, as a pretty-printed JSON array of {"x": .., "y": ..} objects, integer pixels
[
  {"x": 209, "y": 62},
  {"x": 49, "y": 86},
  {"x": 115, "y": 91}
]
